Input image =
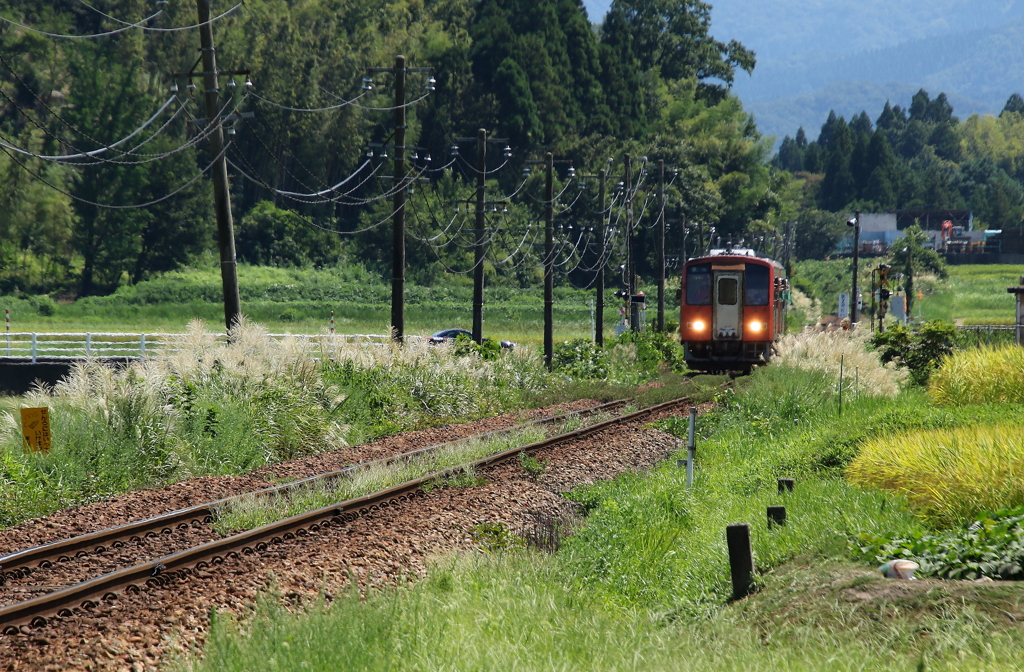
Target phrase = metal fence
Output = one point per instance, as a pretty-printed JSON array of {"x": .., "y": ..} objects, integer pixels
[
  {"x": 76, "y": 345},
  {"x": 989, "y": 334}
]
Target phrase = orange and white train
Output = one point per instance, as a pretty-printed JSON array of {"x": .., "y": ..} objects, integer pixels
[{"x": 732, "y": 309}]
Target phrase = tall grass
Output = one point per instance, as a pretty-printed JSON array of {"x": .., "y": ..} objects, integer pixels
[
  {"x": 949, "y": 475},
  {"x": 204, "y": 407},
  {"x": 816, "y": 350},
  {"x": 980, "y": 376}
]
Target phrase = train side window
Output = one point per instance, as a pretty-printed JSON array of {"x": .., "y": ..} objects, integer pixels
[
  {"x": 757, "y": 287},
  {"x": 727, "y": 291},
  {"x": 698, "y": 285}
]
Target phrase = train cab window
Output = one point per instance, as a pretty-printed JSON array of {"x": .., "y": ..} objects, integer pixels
[
  {"x": 698, "y": 285},
  {"x": 727, "y": 291},
  {"x": 757, "y": 288}
]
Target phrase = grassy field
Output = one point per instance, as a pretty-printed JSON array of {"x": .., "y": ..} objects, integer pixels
[
  {"x": 644, "y": 584},
  {"x": 301, "y": 300},
  {"x": 973, "y": 294}
]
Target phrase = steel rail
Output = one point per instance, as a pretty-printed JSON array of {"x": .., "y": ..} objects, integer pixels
[
  {"x": 21, "y": 563},
  {"x": 82, "y": 598}
]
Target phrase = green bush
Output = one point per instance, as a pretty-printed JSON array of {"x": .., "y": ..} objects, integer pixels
[
  {"x": 921, "y": 351},
  {"x": 580, "y": 358},
  {"x": 655, "y": 349}
]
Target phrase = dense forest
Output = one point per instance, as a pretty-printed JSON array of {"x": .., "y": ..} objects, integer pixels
[
  {"x": 919, "y": 157},
  {"x": 650, "y": 81}
]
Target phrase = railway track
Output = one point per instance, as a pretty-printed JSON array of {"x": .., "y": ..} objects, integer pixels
[{"x": 83, "y": 597}]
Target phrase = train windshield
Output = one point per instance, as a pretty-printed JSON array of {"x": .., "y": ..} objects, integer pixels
[
  {"x": 756, "y": 286},
  {"x": 698, "y": 285}
]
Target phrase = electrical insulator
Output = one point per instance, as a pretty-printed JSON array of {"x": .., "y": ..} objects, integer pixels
[
  {"x": 231, "y": 83},
  {"x": 174, "y": 87},
  {"x": 367, "y": 84},
  {"x": 431, "y": 84},
  {"x": 455, "y": 150}
]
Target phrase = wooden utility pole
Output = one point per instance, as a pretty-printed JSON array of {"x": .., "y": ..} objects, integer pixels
[
  {"x": 398, "y": 218},
  {"x": 661, "y": 245},
  {"x": 478, "y": 246},
  {"x": 602, "y": 197},
  {"x": 549, "y": 260},
  {"x": 219, "y": 171}
]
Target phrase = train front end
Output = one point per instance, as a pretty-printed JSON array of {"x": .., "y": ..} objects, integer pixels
[{"x": 732, "y": 309}]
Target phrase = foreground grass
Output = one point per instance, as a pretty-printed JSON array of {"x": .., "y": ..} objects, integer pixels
[
  {"x": 505, "y": 613},
  {"x": 645, "y": 584}
]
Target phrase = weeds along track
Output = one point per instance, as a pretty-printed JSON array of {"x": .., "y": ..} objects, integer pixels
[{"x": 58, "y": 577}]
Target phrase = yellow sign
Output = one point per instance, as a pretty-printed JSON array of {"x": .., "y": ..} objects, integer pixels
[{"x": 35, "y": 427}]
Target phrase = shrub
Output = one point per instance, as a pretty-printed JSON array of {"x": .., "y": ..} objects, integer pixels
[
  {"x": 580, "y": 358},
  {"x": 654, "y": 350},
  {"x": 947, "y": 475},
  {"x": 920, "y": 352},
  {"x": 978, "y": 376}
]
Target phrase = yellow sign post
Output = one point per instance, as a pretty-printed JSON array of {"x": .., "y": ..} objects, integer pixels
[{"x": 35, "y": 427}]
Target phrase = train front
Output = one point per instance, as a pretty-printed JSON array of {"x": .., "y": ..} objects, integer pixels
[{"x": 732, "y": 309}]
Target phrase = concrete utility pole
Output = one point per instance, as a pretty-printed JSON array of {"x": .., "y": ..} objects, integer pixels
[
  {"x": 602, "y": 197},
  {"x": 634, "y": 308},
  {"x": 478, "y": 247},
  {"x": 661, "y": 245},
  {"x": 549, "y": 260},
  {"x": 221, "y": 191},
  {"x": 398, "y": 218}
]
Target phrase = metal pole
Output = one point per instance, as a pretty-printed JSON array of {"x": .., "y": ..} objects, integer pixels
[
  {"x": 478, "y": 246},
  {"x": 691, "y": 446},
  {"x": 398, "y": 218},
  {"x": 841, "y": 385},
  {"x": 221, "y": 192},
  {"x": 661, "y": 246},
  {"x": 856, "y": 260},
  {"x": 602, "y": 196},
  {"x": 549, "y": 259}
]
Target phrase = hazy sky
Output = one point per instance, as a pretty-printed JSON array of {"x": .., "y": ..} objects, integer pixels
[{"x": 596, "y": 9}]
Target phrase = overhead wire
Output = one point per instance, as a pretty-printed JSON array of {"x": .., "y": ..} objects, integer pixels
[
  {"x": 93, "y": 36},
  {"x": 162, "y": 30},
  {"x": 116, "y": 207}
]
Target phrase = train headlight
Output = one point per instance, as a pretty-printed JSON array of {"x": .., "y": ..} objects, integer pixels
[
  {"x": 698, "y": 326},
  {"x": 756, "y": 327}
]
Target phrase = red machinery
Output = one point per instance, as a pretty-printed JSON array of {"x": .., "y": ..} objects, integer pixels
[{"x": 732, "y": 309}]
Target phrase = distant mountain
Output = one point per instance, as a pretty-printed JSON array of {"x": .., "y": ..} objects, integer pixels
[
  {"x": 815, "y": 56},
  {"x": 851, "y": 55}
]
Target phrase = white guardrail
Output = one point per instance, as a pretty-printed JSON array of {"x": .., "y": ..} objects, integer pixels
[{"x": 76, "y": 345}]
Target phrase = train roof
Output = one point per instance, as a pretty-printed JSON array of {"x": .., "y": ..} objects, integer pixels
[{"x": 735, "y": 254}]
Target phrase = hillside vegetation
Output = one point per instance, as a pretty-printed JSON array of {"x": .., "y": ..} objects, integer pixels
[{"x": 653, "y": 82}]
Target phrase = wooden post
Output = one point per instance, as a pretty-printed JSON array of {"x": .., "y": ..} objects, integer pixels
[
  {"x": 785, "y": 485},
  {"x": 741, "y": 559},
  {"x": 776, "y": 516}
]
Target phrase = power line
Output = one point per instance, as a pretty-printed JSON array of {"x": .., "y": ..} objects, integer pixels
[
  {"x": 161, "y": 30},
  {"x": 115, "y": 207}
]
